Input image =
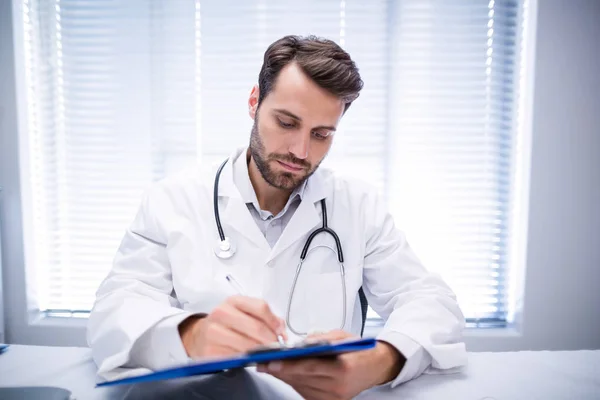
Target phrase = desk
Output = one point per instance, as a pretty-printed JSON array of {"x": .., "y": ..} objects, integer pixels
[{"x": 500, "y": 376}]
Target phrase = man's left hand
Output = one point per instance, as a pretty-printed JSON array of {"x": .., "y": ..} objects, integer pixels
[{"x": 342, "y": 377}]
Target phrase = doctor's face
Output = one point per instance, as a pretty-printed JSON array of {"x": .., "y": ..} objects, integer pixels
[{"x": 293, "y": 128}]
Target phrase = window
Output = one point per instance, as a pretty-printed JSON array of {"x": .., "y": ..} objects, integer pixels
[
  {"x": 120, "y": 94},
  {"x": 453, "y": 178}
]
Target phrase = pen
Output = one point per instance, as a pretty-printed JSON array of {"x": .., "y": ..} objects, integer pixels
[{"x": 238, "y": 288}]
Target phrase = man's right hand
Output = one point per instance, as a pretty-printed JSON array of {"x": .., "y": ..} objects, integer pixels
[{"x": 235, "y": 326}]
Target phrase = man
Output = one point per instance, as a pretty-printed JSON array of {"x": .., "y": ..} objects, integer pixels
[{"x": 167, "y": 299}]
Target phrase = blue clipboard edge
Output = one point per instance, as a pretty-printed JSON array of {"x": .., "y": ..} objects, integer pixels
[
  {"x": 218, "y": 365},
  {"x": 3, "y": 347}
]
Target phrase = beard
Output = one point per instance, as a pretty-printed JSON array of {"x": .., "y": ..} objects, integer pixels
[{"x": 279, "y": 179}]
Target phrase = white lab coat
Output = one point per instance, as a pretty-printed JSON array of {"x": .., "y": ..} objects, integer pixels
[{"x": 165, "y": 270}]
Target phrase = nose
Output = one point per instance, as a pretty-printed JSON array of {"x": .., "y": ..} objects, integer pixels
[{"x": 300, "y": 145}]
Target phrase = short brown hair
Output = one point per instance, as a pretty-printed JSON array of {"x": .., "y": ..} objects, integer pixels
[{"x": 322, "y": 60}]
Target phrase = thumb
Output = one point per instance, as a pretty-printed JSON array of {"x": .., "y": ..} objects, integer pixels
[{"x": 330, "y": 336}]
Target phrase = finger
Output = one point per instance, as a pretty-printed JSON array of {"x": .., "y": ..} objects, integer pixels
[
  {"x": 259, "y": 309},
  {"x": 283, "y": 330},
  {"x": 311, "y": 367},
  {"x": 323, "y": 383},
  {"x": 224, "y": 338},
  {"x": 331, "y": 335},
  {"x": 244, "y": 324},
  {"x": 318, "y": 382},
  {"x": 311, "y": 393}
]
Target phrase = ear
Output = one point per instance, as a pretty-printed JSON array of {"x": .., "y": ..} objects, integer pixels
[{"x": 253, "y": 102}]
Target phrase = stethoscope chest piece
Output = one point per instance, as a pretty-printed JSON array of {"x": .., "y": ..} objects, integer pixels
[{"x": 224, "y": 249}]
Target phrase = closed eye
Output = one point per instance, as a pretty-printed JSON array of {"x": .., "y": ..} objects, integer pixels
[
  {"x": 285, "y": 125},
  {"x": 320, "y": 135}
]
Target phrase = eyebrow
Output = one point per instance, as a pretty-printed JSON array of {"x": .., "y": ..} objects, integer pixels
[{"x": 294, "y": 116}]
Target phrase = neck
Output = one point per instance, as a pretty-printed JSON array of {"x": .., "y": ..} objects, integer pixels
[{"x": 269, "y": 198}]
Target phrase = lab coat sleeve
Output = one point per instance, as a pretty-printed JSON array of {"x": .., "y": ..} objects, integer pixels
[
  {"x": 423, "y": 319},
  {"x": 160, "y": 346},
  {"x": 135, "y": 305}
]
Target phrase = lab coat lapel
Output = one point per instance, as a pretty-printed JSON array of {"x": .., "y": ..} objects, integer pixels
[
  {"x": 234, "y": 213},
  {"x": 306, "y": 218}
]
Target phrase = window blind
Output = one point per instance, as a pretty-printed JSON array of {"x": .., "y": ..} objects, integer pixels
[
  {"x": 120, "y": 94},
  {"x": 454, "y": 121}
]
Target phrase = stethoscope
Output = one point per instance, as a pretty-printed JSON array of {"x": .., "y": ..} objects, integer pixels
[{"x": 225, "y": 249}]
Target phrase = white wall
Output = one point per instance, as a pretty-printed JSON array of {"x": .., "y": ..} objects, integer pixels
[
  {"x": 562, "y": 290},
  {"x": 563, "y": 285},
  {"x": 8, "y": 123}
]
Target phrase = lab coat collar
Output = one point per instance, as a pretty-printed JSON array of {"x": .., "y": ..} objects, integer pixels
[
  {"x": 235, "y": 213},
  {"x": 305, "y": 219}
]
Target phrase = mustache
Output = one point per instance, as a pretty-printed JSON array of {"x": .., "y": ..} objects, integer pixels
[{"x": 290, "y": 158}]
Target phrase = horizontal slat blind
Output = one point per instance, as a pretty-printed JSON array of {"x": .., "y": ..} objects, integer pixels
[
  {"x": 455, "y": 89},
  {"x": 111, "y": 108},
  {"x": 234, "y": 36},
  {"x": 121, "y": 94}
]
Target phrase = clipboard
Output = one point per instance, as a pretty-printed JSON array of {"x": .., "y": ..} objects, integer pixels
[
  {"x": 3, "y": 348},
  {"x": 259, "y": 355}
]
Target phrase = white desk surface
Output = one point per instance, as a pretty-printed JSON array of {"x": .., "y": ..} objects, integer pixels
[{"x": 489, "y": 376}]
